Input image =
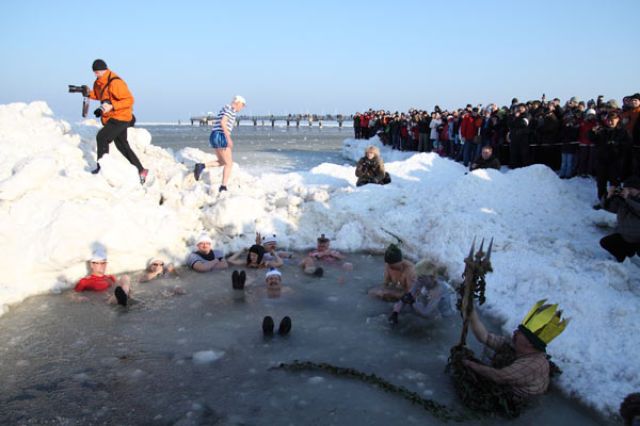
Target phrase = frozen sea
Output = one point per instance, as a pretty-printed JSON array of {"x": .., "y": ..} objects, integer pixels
[
  {"x": 200, "y": 358},
  {"x": 264, "y": 148}
]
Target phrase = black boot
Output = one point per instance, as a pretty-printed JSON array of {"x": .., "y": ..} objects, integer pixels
[
  {"x": 285, "y": 326},
  {"x": 267, "y": 326}
]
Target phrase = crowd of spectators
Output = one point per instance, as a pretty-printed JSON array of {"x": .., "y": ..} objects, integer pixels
[{"x": 598, "y": 138}]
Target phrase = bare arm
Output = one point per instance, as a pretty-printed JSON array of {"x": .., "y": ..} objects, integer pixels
[
  {"x": 209, "y": 265},
  {"x": 277, "y": 262},
  {"x": 235, "y": 259},
  {"x": 479, "y": 330}
]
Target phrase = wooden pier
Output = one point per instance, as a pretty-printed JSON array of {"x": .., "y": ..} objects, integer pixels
[{"x": 290, "y": 120}]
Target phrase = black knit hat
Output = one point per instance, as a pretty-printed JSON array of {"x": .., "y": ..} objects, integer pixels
[
  {"x": 99, "y": 65},
  {"x": 393, "y": 254}
]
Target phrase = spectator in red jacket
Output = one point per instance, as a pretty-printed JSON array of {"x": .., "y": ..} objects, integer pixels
[
  {"x": 585, "y": 148},
  {"x": 469, "y": 130}
]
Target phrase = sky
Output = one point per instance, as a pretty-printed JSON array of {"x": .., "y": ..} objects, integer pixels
[{"x": 186, "y": 58}]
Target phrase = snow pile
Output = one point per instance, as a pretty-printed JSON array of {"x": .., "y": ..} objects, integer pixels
[{"x": 53, "y": 212}]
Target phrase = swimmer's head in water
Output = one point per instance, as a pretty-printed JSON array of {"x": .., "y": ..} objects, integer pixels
[
  {"x": 255, "y": 255},
  {"x": 204, "y": 244},
  {"x": 273, "y": 278},
  {"x": 393, "y": 254},
  {"x": 323, "y": 243},
  {"x": 269, "y": 241}
]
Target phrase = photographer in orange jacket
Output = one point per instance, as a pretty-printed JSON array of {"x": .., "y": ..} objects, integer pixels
[{"x": 116, "y": 114}]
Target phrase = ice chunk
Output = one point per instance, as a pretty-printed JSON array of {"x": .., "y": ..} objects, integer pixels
[{"x": 207, "y": 357}]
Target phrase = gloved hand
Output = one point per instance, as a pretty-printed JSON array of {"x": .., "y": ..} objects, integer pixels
[{"x": 105, "y": 107}]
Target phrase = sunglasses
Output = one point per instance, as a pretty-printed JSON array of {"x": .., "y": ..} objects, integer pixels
[{"x": 157, "y": 264}]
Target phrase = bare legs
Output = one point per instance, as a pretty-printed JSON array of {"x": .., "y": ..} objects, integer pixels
[{"x": 225, "y": 160}]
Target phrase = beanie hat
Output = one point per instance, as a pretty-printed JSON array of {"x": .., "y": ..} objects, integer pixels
[
  {"x": 590, "y": 111},
  {"x": 323, "y": 239},
  {"x": 269, "y": 239},
  {"x": 204, "y": 238},
  {"x": 632, "y": 182},
  {"x": 272, "y": 272},
  {"x": 99, "y": 65},
  {"x": 393, "y": 254},
  {"x": 98, "y": 255}
]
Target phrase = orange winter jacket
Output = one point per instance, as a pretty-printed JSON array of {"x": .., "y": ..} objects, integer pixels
[{"x": 113, "y": 88}]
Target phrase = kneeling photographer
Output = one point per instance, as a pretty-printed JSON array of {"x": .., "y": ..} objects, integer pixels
[
  {"x": 625, "y": 202},
  {"x": 370, "y": 168},
  {"x": 115, "y": 112}
]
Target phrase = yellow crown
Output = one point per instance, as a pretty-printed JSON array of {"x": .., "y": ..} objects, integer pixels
[{"x": 544, "y": 321}]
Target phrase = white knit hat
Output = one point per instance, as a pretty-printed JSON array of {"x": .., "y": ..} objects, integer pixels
[
  {"x": 204, "y": 238},
  {"x": 98, "y": 255},
  {"x": 238, "y": 98},
  {"x": 269, "y": 239},
  {"x": 272, "y": 272}
]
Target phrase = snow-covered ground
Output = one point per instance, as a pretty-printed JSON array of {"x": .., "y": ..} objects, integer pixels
[{"x": 53, "y": 213}]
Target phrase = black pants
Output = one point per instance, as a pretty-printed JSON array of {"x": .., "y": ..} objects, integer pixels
[
  {"x": 606, "y": 172},
  {"x": 617, "y": 246},
  {"x": 116, "y": 130},
  {"x": 520, "y": 155}
]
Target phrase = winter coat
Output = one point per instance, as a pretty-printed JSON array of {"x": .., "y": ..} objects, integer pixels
[
  {"x": 434, "y": 128},
  {"x": 628, "y": 216},
  {"x": 110, "y": 87},
  {"x": 469, "y": 127},
  {"x": 369, "y": 171},
  {"x": 548, "y": 130},
  {"x": 519, "y": 128},
  {"x": 490, "y": 163}
]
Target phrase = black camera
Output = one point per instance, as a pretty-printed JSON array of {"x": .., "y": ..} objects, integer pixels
[
  {"x": 85, "y": 96},
  {"x": 79, "y": 89},
  {"x": 98, "y": 112}
]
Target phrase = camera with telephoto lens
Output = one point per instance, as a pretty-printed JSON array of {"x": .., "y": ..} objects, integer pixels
[
  {"x": 79, "y": 89},
  {"x": 85, "y": 96}
]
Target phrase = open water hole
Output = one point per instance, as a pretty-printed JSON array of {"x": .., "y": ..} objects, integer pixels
[{"x": 201, "y": 358}]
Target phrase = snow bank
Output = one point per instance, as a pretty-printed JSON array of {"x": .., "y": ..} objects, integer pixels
[{"x": 53, "y": 213}]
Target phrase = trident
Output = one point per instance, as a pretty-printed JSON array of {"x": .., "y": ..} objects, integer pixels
[{"x": 476, "y": 266}]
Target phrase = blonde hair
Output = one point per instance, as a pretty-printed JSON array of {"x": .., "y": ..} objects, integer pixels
[
  {"x": 431, "y": 268},
  {"x": 376, "y": 153}
]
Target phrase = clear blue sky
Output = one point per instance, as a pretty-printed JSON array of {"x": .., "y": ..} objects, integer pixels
[{"x": 188, "y": 57}]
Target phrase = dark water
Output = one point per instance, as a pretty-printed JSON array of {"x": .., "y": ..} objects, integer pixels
[
  {"x": 76, "y": 363},
  {"x": 263, "y": 148}
]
